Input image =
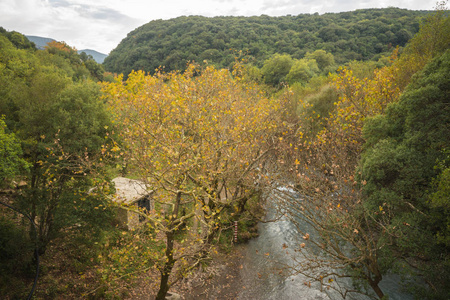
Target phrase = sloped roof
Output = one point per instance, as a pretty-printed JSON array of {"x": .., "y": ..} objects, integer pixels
[{"x": 129, "y": 191}]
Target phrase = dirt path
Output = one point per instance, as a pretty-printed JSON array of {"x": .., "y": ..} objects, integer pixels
[{"x": 221, "y": 280}]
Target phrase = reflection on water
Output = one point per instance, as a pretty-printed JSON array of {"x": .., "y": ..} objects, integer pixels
[
  {"x": 260, "y": 271},
  {"x": 264, "y": 258}
]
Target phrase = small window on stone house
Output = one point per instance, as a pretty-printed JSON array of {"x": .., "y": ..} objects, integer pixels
[{"x": 144, "y": 205}]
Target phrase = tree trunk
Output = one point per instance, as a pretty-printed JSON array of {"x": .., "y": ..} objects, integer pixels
[
  {"x": 375, "y": 287},
  {"x": 170, "y": 262},
  {"x": 167, "y": 269}
]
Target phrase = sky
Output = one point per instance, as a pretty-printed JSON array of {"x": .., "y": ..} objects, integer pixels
[{"x": 101, "y": 24}]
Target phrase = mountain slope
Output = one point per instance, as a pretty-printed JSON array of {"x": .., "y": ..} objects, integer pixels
[
  {"x": 98, "y": 57},
  {"x": 41, "y": 42},
  {"x": 360, "y": 35}
]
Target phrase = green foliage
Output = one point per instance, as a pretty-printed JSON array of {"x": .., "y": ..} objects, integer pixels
[
  {"x": 10, "y": 155},
  {"x": 323, "y": 59},
  {"x": 54, "y": 109},
  {"x": 398, "y": 167},
  {"x": 362, "y": 69},
  {"x": 432, "y": 40},
  {"x": 78, "y": 66},
  {"x": 252, "y": 73},
  {"x": 323, "y": 101},
  {"x": 433, "y": 37},
  {"x": 81, "y": 66},
  {"x": 302, "y": 71},
  {"x": 319, "y": 105},
  {"x": 17, "y": 39},
  {"x": 80, "y": 118},
  {"x": 440, "y": 200},
  {"x": 358, "y": 35},
  {"x": 276, "y": 68}
]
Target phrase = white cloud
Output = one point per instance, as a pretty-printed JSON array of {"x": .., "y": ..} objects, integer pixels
[{"x": 78, "y": 23}]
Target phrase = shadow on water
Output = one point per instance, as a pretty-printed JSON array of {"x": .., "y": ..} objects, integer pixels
[{"x": 264, "y": 259}]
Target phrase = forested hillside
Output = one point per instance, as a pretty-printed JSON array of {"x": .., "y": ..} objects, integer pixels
[{"x": 356, "y": 35}]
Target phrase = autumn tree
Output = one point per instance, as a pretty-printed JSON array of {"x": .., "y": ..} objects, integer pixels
[
  {"x": 335, "y": 239},
  {"x": 199, "y": 140},
  {"x": 322, "y": 199}
]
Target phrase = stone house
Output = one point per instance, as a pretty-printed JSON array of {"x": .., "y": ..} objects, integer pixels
[{"x": 133, "y": 194}]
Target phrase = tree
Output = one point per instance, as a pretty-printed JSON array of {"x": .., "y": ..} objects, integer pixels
[
  {"x": 323, "y": 59},
  {"x": 63, "y": 49},
  {"x": 302, "y": 71},
  {"x": 431, "y": 41},
  {"x": 51, "y": 132},
  {"x": 398, "y": 165},
  {"x": 339, "y": 237},
  {"x": 440, "y": 200},
  {"x": 199, "y": 140},
  {"x": 337, "y": 245},
  {"x": 67, "y": 131},
  {"x": 276, "y": 68},
  {"x": 19, "y": 40},
  {"x": 60, "y": 125}
]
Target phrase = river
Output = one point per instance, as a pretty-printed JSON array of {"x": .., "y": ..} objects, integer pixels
[{"x": 264, "y": 257}]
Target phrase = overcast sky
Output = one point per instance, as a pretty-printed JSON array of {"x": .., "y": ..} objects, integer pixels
[{"x": 101, "y": 24}]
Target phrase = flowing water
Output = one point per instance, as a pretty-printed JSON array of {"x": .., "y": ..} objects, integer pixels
[{"x": 266, "y": 255}]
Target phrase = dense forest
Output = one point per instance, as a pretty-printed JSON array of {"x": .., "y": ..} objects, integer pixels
[
  {"x": 51, "y": 121},
  {"x": 345, "y": 131},
  {"x": 358, "y": 35}
]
